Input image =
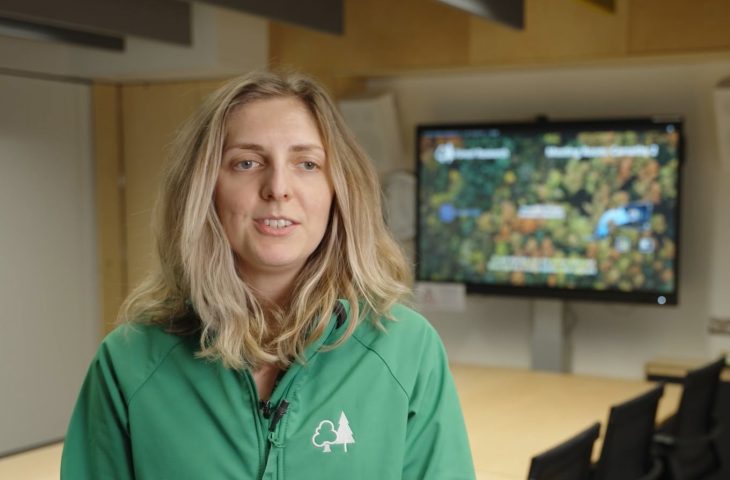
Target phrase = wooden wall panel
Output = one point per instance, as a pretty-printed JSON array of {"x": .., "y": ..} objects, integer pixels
[
  {"x": 678, "y": 26},
  {"x": 555, "y": 30},
  {"x": 109, "y": 171},
  {"x": 342, "y": 86},
  {"x": 380, "y": 35},
  {"x": 151, "y": 116}
]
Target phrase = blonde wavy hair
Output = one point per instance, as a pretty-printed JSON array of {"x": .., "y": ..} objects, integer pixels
[{"x": 195, "y": 287}]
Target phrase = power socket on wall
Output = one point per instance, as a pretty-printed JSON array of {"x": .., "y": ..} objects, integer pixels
[{"x": 719, "y": 326}]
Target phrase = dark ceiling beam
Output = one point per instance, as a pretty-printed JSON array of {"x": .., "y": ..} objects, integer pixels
[
  {"x": 507, "y": 12},
  {"x": 323, "y": 15},
  {"x": 164, "y": 20},
  {"x": 32, "y": 31}
]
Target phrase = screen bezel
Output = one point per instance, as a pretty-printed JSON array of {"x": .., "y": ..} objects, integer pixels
[{"x": 542, "y": 125}]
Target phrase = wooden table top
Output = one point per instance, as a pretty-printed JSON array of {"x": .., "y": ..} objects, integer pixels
[
  {"x": 42, "y": 463},
  {"x": 513, "y": 414},
  {"x": 678, "y": 367}
]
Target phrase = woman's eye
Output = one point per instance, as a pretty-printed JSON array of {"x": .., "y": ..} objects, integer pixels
[
  {"x": 245, "y": 164},
  {"x": 309, "y": 165}
]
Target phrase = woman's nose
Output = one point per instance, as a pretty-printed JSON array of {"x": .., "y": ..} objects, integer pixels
[{"x": 277, "y": 185}]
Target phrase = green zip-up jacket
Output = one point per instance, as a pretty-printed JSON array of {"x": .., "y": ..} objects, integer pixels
[{"x": 380, "y": 406}]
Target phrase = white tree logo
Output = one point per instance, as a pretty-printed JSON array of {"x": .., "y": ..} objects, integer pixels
[{"x": 326, "y": 435}]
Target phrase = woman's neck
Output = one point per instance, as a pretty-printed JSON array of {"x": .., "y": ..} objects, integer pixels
[
  {"x": 274, "y": 289},
  {"x": 265, "y": 380}
]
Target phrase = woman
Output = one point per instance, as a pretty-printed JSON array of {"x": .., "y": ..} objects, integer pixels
[{"x": 270, "y": 342}]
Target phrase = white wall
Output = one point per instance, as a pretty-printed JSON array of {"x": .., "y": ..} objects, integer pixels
[
  {"x": 49, "y": 320},
  {"x": 608, "y": 339}
]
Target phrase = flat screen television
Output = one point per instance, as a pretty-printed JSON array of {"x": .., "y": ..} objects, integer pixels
[{"x": 580, "y": 209}]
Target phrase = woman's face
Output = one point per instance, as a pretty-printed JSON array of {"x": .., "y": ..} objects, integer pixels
[{"x": 273, "y": 194}]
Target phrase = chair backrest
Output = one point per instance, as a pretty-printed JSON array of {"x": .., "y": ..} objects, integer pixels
[
  {"x": 571, "y": 460},
  {"x": 694, "y": 415},
  {"x": 626, "y": 451}
]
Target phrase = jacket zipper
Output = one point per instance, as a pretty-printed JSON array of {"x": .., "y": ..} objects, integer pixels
[
  {"x": 261, "y": 424},
  {"x": 268, "y": 419}
]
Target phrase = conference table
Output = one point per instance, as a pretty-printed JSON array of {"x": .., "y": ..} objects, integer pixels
[{"x": 513, "y": 414}]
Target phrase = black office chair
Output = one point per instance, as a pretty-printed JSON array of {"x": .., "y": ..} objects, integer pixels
[
  {"x": 686, "y": 441},
  {"x": 626, "y": 452},
  {"x": 571, "y": 460}
]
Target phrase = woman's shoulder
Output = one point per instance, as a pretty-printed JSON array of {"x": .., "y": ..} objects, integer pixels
[
  {"x": 140, "y": 338},
  {"x": 400, "y": 323},
  {"x": 134, "y": 351},
  {"x": 407, "y": 343}
]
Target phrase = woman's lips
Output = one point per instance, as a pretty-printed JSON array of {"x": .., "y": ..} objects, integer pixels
[{"x": 275, "y": 226}]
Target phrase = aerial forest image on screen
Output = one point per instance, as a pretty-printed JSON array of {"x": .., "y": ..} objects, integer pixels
[{"x": 567, "y": 209}]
